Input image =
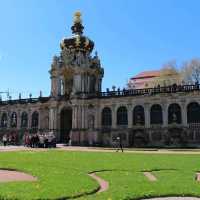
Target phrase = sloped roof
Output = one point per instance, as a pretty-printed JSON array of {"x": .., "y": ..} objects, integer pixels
[{"x": 147, "y": 74}]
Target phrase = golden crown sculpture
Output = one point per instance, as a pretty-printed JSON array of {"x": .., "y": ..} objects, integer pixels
[{"x": 77, "y": 17}]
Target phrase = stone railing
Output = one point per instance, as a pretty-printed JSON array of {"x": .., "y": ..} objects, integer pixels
[
  {"x": 114, "y": 93},
  {"x": 25, "y": 101},
  {"x": 149, "y": 91}
]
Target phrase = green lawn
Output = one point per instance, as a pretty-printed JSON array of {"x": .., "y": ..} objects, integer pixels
[{"x": 63, "y": 174}]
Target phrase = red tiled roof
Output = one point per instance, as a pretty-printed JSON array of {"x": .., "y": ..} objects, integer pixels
[{"x": 147, "y": 74}]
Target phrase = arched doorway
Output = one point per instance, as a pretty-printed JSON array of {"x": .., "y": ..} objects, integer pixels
[
  {"x": 156, "y": 114},
  {"x": 122, "y": 116},
  {"x": 138, "y": 115},
  {"x": 193, "y": 113},
  {"x": 174, "y": 114},
  {"x": 65, "y": 124}
]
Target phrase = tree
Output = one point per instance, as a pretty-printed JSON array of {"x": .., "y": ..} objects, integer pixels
[
  {"x": 191, "y": 71},
  {"x": 169, "y": 75}
]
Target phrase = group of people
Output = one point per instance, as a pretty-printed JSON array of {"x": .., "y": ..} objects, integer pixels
[
  {"x": 9, "y": 139},
  {"x": 41, "y": 140},
  {"x": 33, "y": 140}
]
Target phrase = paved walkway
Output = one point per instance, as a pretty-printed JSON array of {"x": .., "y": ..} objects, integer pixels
[
  {"x": 19, "y": 148},
  {"x": 103, "y": 184},
  {"x": 101, "y": 149},
  {"x": 130, "y": 150}
]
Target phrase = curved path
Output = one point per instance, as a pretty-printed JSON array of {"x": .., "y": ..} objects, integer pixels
[
  {"x": 104, "y": 185},
  {"x": 150, "y": 176},
  {"x": 197, "y": 177},
  {"x": 12, "y": 175}
]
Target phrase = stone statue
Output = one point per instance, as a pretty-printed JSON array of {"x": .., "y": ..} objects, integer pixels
[
  {"x": 174, "y": 117},
  {"x": 91, "y": 122},
  {"x": 138, "y": 119},
  {"x": 14, "y": 120},
  {"x": 96, "y": 61},
  {"x": 55, "y": 62},
  {"x": 79, "y": 59}
]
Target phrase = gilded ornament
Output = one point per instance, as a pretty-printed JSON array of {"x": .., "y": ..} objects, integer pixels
[
  {"x": 77, "y": 17},
  {"x": 78, "y": 41},
  {"x": 87, "y": 42}
]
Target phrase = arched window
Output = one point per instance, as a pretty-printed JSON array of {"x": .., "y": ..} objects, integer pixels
[
  {"x": 138, "y": 115},
  {"x": 174, "y": 114},
  {"x": 122, "y": 117},
  {"x": 24, "y": 120},
  {"x": 156, "y": 114},
  {"x": 106, "y": 117},
  {"x": 4, "y": 120},
  {"x": 193, "y": 113},
  {"x": 13, "y": 121},
  {"x": 35, "y": 120}
]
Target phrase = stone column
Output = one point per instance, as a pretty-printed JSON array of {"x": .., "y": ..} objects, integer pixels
[
  {"x": 78, "y": 117},
  {"x": 29, "y": 119},
  {"x": 18, "y": 119},
  {"x": 165, "y": 115},
  {"x": 184, "y": 113},
  {"x": 53, "y": 118},
  {"x": 9, "y": 113},
  {"x": 114, "y": 117},
  {"x": 82, "y": 116},
  {"x": 97, "y": 117},
  {"x": 39, "y": 118},
  {"x": 147, "y": 115},
  {"x": 76, "y": 83},
  {"x": 73, "y": 117},
  {"x": 82, "y": 113},
  {"x": 130, "y": 116}
]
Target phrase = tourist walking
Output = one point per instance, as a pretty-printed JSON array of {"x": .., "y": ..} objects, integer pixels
[{"x": 120, "y": 147}]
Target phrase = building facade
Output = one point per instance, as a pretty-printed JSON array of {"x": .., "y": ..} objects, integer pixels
[
  {"x": 143, "y": 80},
  {"x": 77, "y": 109}
]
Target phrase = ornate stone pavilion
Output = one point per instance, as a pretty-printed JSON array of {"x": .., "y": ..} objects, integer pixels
[{"x": 78, "y": 109}]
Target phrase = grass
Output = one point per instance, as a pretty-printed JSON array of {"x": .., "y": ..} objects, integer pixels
[{"x": 63, "y": 174}]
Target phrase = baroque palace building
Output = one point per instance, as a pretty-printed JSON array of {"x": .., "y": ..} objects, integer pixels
[{"x": 77, "y": 109}]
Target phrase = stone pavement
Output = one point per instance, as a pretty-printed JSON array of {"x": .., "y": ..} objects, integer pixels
[{"x": 102, "y": 149}]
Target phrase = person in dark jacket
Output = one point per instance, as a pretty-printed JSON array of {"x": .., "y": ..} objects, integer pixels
[{"x": 120, "y": 147}]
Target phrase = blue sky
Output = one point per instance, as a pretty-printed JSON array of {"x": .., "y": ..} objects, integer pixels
[{"x": 130, "y": 36}]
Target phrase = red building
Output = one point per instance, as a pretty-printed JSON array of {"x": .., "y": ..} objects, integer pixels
[{"x": 143, "y": 80}]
